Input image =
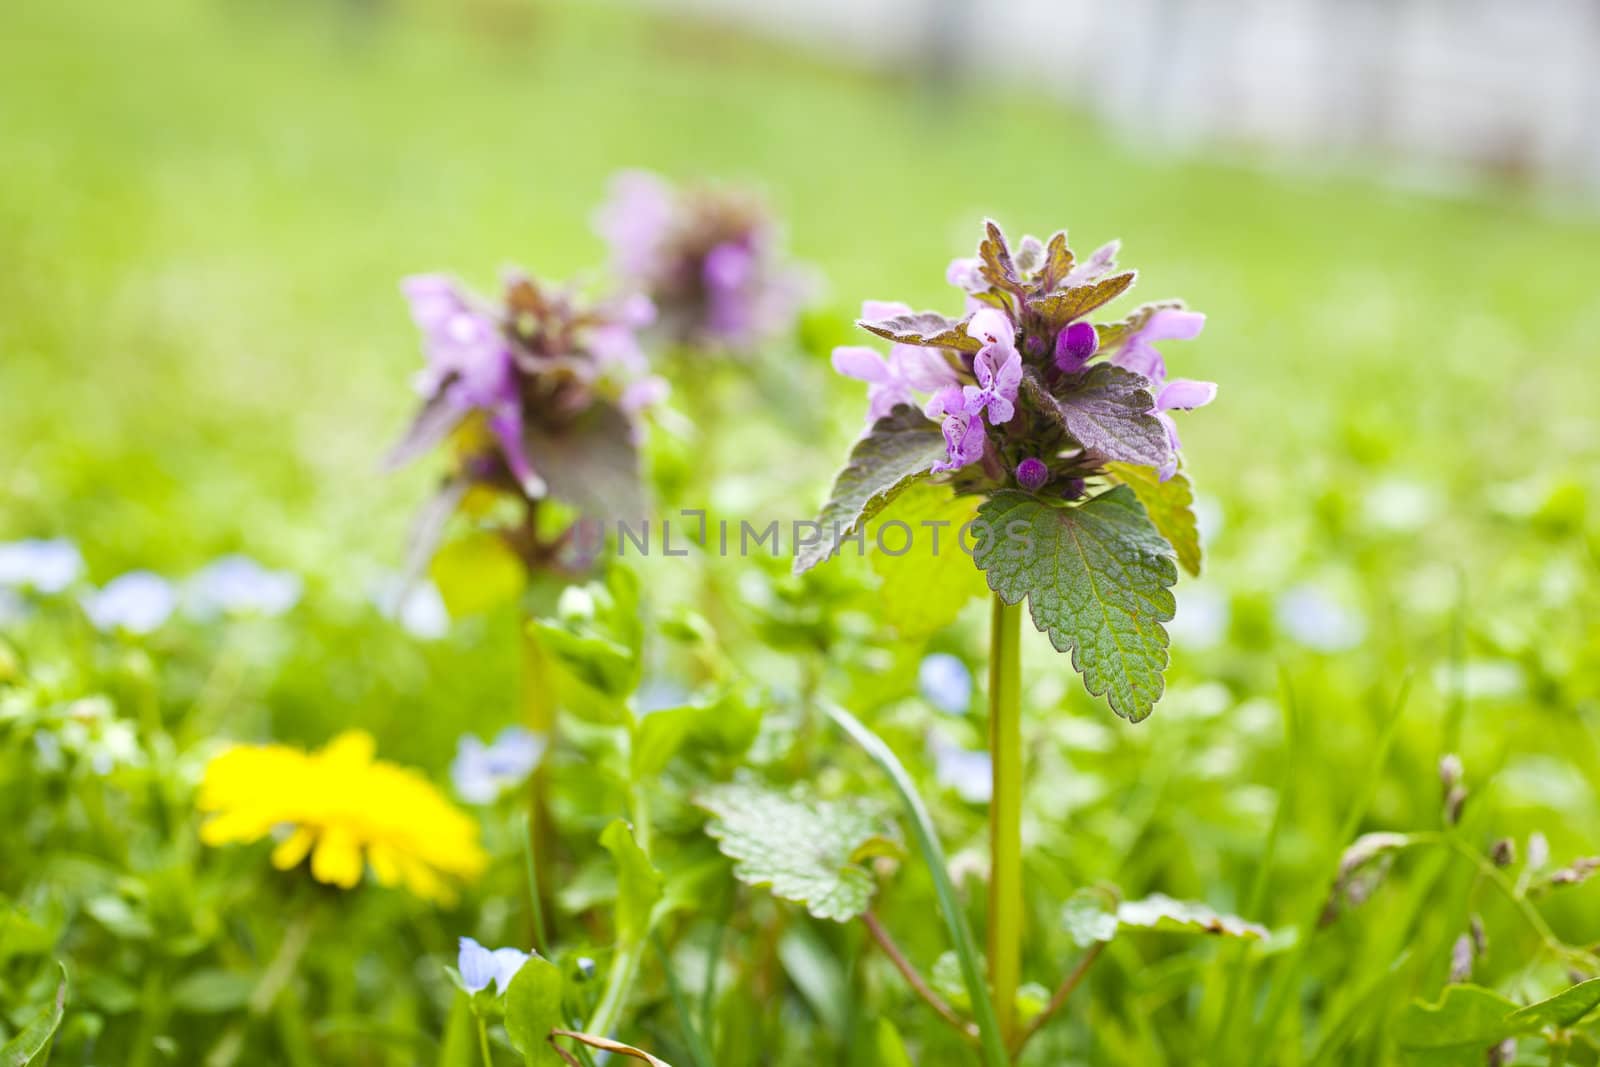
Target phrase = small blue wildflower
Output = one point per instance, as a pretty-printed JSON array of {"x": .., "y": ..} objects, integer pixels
[
  {"x": 137, "y": 602},
  {"x": 970, "y": 772},
  {"x": 1314, "y": 619},
  {"x": 479, "y": 966},
  {"x": 46, "y": 566},
  {"x": 482, "y": 772},
  {"x": 238, "y": 585},
  {"x": 945, "y": 682},
  {"x": 418, "y": 607}
]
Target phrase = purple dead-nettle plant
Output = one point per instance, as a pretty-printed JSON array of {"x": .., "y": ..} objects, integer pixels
[
  {"x": 535, "y": 399},
  {"x": 1057, "y": 424},
  {"x": 710, "y": 257}
]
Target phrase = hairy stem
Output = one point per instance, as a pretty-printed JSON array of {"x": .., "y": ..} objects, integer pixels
[
  {"x": 1063, "y": 991},
  {"x": 914, "y": 979},
  {"x": 1005, "y": 813}
]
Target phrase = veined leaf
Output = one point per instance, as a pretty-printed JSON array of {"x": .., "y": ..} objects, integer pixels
[
  {"x": 1058, "y": 260},
  {"x": 929, "y": 329},
  {"x": 926, "y": 585},
  {"x": 994, "y": 257},
  {"x": 1170, "y": 505},
  {"x": 805, "y": 850},
  {"x": 1065, "y": 305},
  {"x": 1108, "y": 410},
  {"x": 897, "y": 451},
  {"x": 533, "y": 1010},
  {"x": 1098, "y": 580}
]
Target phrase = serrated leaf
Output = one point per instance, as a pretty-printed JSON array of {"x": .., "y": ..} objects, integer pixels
[
  {"x": 898, "y": 450},
  {"x": 994, "y": 258},
  {"x": 1089, "y": 918},
  {"x": 1061, "y": 307},
  {"x": 929, "y": 329},
  {"x": 638, "y": 883},
  {"x": 533, "y": 1011},
  {"x": 1170, "y": 505},
  {"x": 926, "y": 586},
  {"x": 1160, "y": 912},
  {"x": 34, "y": 1038},
  {"x": 805, "y": 850},
  {"x": 1564, "y": 1009},
  {"x": 1108, "y": 410},
  {"x": 1058, "y": 260},
  {"x": 1468, "y": 1018},
  {"x": 1098, "y": 580},
  {"x": 591, "y": 464}
]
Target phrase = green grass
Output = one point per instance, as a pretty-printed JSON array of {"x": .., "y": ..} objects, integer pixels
[{"x": 205, "y": 208}]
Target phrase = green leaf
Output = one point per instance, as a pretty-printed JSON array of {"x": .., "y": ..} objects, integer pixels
[
  {"x": 34, "y": 1038},
  {"x": 1564, "y": 1009},
  {"x": 897, "y": 451},
  {"x": 887, "y": 1047},
  {"x": 210, "y": 991},
  {"x": 805, "y": 850},
  {"x": 928, "y": 329},
  {"x": 593, "y": 643},
  {"x": 1170, "y": 505},
  {"x": 476, "y": 573},
  {"x": 533, "y": 1010},
  {"x": 638, "y": 884},
  {"x": 994, "y": 259},
  {"x": 1108, "y": 410},
  {"x": 925, "y": 587},
  {"x": 1058, "y": 260},
  {"x": 1067, "y": 304},
  {"x": 1467, "y": 1019},
  {"x": 1097, "y": 577},
  {"x": 1089, "y": 917},
  {"x": 591, "y": 463},
  {"x": 1161, "y": 913},
  {"x": 726, "y": 726}
]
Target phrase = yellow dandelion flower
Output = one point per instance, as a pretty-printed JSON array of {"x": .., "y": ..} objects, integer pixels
[{"x": 344, "y": 809}]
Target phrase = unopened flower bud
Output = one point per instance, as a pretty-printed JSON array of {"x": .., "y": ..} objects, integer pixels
[
  {"x": 1504, "y": 852},
  {"x": 1450, "y": 771},
  {"x": 1074, "y": 345},
  {"x": 1032, "y": 473},
  {"x": 1453, "y": 803},
  {"x": 1461, "y": 956},
  {"x": 1480, "y": 938}
]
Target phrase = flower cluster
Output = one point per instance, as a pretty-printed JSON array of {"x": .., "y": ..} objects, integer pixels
[
  {"x": 513, "y": 384},
  {"x": 344, "y": 809},
  {"x": 1028, "y": 391},
  {"x": 709, "y": 257}
]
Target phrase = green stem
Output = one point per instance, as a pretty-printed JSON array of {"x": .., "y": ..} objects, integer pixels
[
  {"x": 483, "y": 1043},
  {"x": 993, "y": 1048},
  {"x": 1005, "y": 813},
  {"x": 625, "y": 968},
  {"x": 539, "y": 716},
  {"x": 699, "y": 1055}
]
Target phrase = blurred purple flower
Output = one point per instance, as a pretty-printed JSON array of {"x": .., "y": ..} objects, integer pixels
[
  {"x": 481, "y": 773},
  {"x": 137, "y": 602},
  {"x": 46, "y": 566},
  {"x": 945, "y": 682},
  {"x": 238, "y": 585}
]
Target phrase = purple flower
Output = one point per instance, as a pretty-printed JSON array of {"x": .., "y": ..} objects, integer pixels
[
  {"x": 1138, "y": 354},
  {"x": 996, "y": 391},
  {"x": 479, "y": 966},
  {"x": 1032, "y": 473},
  {"x": 1075, "y": 344},
  {"x": 964, "y": 434},
  {"x": 635, "y": 221}
]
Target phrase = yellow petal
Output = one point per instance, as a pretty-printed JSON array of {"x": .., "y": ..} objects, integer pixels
[
  {"x": 337, "y": 860},
  {"x": 385, "y": 864},
  {"x": 292, "y": 849}
]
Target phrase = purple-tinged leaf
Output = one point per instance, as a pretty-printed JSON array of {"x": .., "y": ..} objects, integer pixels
[
  {"x": 997, "y": 265},
  {"x": 591, "y": 463},
  {"x": 1108, "y": 411},
  {"x": 434, "y": 421},
  {"x": 1058, "y": 260},
  {"x": 1062, "y": 307},
  {"x": 926, "y": 328},
  {"x": 1113, "y": 334}
]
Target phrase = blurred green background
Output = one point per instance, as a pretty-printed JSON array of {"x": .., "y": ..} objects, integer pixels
[{"x": 205, "y": 207}]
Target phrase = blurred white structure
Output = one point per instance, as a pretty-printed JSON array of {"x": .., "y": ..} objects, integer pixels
[{"x": 1509, "y": 86}]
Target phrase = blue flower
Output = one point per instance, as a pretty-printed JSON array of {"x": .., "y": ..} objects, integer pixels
[
  {"x": 138, "y": 602},
  {"x": 47, "y": 566},
  {"x": 482, "y": 772},
  {"x": 419, "y": 608},
  {"x": 480, "y": 966},
  {"x": 946, "y": 683},
  {"x": 1318, "y": 621},
  {"x": 238, "y": 585},
  {"x": 970, "y": 772}
]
